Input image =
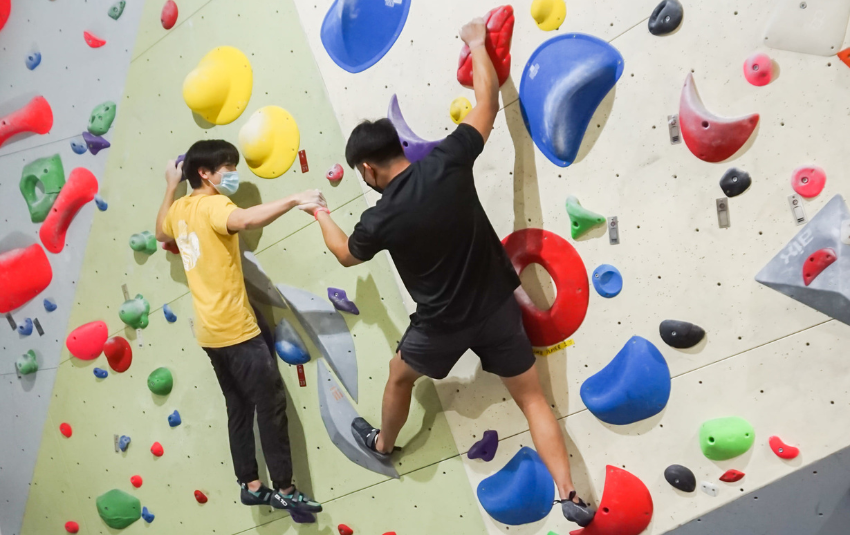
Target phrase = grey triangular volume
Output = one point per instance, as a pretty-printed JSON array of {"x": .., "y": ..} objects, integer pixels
[
  {"x": 260, "y": 288},
  {"x": 829, "y": 292}
]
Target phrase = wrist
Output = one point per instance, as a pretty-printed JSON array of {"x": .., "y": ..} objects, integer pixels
[
  {"x": 319, "y": 211},
  {"x": 476, "y": 44}
]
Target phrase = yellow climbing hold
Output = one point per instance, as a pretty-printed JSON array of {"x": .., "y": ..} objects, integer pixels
[
  {"x": 269, "y": 141},
  {"x": 220, "y": 86},
  {"x": 549, "y": 14},
  {"x": 459, "y": 109}
]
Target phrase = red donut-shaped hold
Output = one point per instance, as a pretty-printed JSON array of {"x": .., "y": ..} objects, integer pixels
[
  {"x": 808, "y": 180},
  {"x": 86, "y": 341}
]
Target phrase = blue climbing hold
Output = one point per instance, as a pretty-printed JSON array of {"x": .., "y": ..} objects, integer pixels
[
  {"x": 33, "y": 60},
  {"x": 632, "y": 387},
  {"x": 101, "y": 204},
  {"x": 78, "y": 145},
  {"x": 564, "y": 81},
  {"x": 174, "y": 419},
  {"x": 147, "y": 515},
  {"x": 170, "y": 316},
  {"x": 49, "y": 305},
  {"x": 607, "y": 280},
  {"x": 123, "y": 442},
  {"x": 288, "y": 344},
  {"x": 100, "y": 373},
  {"x": 358, "y": 33},
  {"x": 485, "y": 449},
  {"x": 521, "y": 492},
  {"x": 25, "y": 328}
]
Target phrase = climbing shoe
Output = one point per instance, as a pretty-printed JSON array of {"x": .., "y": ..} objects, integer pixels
[
  {"x": 578, "y": 512},
  {"x": 262, "y": 496},
  {"x": 367, "y": 436},
  {"x": 299, "y": 502}
]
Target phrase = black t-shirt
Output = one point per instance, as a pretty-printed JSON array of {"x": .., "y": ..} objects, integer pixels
[{"x": 433, "y": 225}]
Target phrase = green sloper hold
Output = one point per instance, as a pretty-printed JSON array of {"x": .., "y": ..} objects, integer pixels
[
  {"x": 725, "y": 438},
  {"x": 51, "y": 174},
  {"x": 117, "y": 9},
  {"x": 160, "y": 381},
  {"x": 581, "y": 219},
  {"x": 101, "y": 118},
  {"x": 26, "y": 363},
  {"x": 118, "y": 509},
  {"x": 135, "y": 312},
  {"x": 143, "y": 242}
]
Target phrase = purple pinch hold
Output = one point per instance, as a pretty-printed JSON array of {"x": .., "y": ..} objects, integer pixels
[
  {"x": 341, "y": 302},
  {"x": 485, "y": 449}
]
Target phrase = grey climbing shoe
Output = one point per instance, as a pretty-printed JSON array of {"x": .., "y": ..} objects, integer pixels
[
  {"x": 578, "y": 512},
  {"x": 367, "y": 436},
  {"x": 300, "y": 502}
]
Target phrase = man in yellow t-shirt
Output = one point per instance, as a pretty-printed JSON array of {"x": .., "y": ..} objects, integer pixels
[{"x": 205, "y": 226}]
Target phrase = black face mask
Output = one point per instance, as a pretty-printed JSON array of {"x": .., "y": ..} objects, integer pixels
[{"x": 373, "y": 187}]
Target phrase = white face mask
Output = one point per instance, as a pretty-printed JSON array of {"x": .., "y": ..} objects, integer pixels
[{"x": 229, "y": 183}]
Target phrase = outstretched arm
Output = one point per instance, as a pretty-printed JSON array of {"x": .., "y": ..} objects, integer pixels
[
  {"x": 173, "y": 174},
  {"x": 264, "y": 214},
  {"x": 484, "y": 79},
  {"x": 335, "y": 238}
]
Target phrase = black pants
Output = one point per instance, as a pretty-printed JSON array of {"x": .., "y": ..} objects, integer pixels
[{"x": 250, "y": 380}]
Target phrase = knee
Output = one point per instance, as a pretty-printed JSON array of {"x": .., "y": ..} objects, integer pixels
[{"x": 400, "y": 373}]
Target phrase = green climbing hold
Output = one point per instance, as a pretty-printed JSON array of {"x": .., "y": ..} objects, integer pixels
[
  {"x": 26, "y": 363},
  {"x": 117, "y": 9},
  {"x": 160, "y": 381},
  {"x": 581, "y": 219},
  {"x": 101, "y": 118},
  {"x": 51, "y": 174},
  {"x": 725, "y": 438},
  {"x": 135, "y": 312},
  {"x": 143, "y": 242},
  {"x": 118, "y": 509}
]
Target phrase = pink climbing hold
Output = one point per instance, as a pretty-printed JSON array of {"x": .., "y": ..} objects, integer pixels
[
  {"x": 157, "y": 449},
  {"x": 201, "y": 497},
  {"x": 72, "y": 527},
  {"x": 758, "y": 69},
  {"x": 86, "y": 341},
  {"x": 808, "y": 180},
  {"x": 781, "y": 449},
  {"x": 66, "y": 430},
  {"x": 817, "y": 262},
  {"x": 500, "y": 31},
  {"x": 5, "y": 8},
  {"x": 169, "y": 15},
  {"x": 732, "y": 476},
  {"x": 80, "y": 188},
  {"x": 36, "y": 117},
  {"x": 118, "y": 353},
  {"x": 93, "y": 40},
  {"x": 136, "y": 481},
  {"x": 24, "y": 273},
  {"x": 335, "y": 173},
  {"x": 344, "y": 530}
]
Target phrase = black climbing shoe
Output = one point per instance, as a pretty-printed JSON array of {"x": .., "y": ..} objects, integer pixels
[
  {"x": 299, "y": 502},
  {"x": 262, "y": 496},
  {"x": 367, "y": 436},
  {"x": 579, "y": 512}
]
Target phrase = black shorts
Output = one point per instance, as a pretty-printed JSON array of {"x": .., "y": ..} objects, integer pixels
[{"x": 499, "y": 341}]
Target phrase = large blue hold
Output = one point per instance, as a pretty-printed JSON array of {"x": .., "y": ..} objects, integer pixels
[
  {"x": 288, "y": 344},
  {"x": 563, "y": 82},
  {"x": 358, "y": 33},
  {"x": 632, "y": 387},
  {"x": 521, "y": 492}
]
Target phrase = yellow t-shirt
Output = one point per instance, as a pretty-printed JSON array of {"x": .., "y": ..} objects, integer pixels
[{"x": 213, "y": 265}]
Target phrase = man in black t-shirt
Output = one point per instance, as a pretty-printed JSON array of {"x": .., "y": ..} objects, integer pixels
[{"x": 453, "y": 265}]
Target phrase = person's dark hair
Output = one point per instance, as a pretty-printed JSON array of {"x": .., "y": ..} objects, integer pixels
[
  {"x": 374, "y": 142},
  {"x": 208, "y": 154}
]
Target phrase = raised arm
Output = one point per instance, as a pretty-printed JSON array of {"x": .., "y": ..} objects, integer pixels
[
  {"x": 335, "y": 238},
  {"x": 173, "y": 174},
  {"x": 484, "y": 79},
  {"x": 264, "y": 214}
]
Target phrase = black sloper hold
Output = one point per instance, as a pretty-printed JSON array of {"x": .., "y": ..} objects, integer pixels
[
  {"x": 680, "y": 477},
  {"x": 666, "y": 17},
  {"x": 680, "y": 334},
  {"x": 735, "y": 182}
]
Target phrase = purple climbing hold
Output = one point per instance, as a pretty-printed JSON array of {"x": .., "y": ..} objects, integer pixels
[
  {"x": 300, "y": 517},
  {"x": 415, "y": 148},
  {"x": 95, "y": 143},
  {"x": 341, "y": 302},
  {"x": 485, "y": 449},
  {"x": 25, "y": 328},
  {"x": 100, "y": 373}
]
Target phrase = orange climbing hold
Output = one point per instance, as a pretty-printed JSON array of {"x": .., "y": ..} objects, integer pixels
[
  {"x": 35, "y": 117},
  {"x": 24, "y": 273},
  {"x": 136, "y": 481},
  {"x": 71, "y": 526},
  {"x": 844, "y": 56},
  {"x": 625, "y": 508},
  {"x": 66, "y": 430},
  {"x": 500, "y": 31},
  {"x": 168, "y": 18},
  {"x": 80, "y": 189},
  {"x": 86, "y": 341},
  {"x": 781, "y": 449},
  {"x": 201, "y": 497},
  {"x": 731, "y": 476},
  {"x": 817, "y": 262},
  {"x": 157, "y": 450},
  {"x": 345, "y": 530},
  {"x": 93, "y": 40}
]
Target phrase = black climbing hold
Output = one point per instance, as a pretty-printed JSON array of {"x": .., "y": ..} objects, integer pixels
[
  {"x": 681, "y": 477},
  {"x": 735, "y": 182},
  {"x": 680, "y": 334},
  {"x": 666, "y": 17}
]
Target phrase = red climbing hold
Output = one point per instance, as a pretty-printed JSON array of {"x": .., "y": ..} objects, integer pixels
[
  {"x": 80, "y": 188},
  {"x": 732, "y": 476},
  {"x": 36, "y": 117},
  {"x": 345, "y": 530},
  {"x": 136, "y": 481},
  {"x": 66, "y": 430},
  {"x": 5, "y": 8},
  {"x": 758, "y": 69},
  {"x": 844, "y": 56},
  {"x": 157, "y": 450},
  {"x": 93, "y": 40},
  {"x": 781, "y": 449},
  {"x": 86, "y": 341},
  {"x": 816, "y": 263},
  {"x": 808, "y": 181},
  {"x": 171, "y": 247},
  {"x": 625, "y": 508},
  {"x": 560, "y": 259},
  {"x": 201, "y": 497},
  {"x": 500, "y": 31},
  {"x": 24, "y": 273},
  {"x": 72, "y": 527},
  {"x": 118, "y": 353},
  {"x": 169, "y": 15}
]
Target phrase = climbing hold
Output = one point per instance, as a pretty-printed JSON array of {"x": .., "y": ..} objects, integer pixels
[
  {"x": 49, "y": 305},
  {"x": 117, "y": 9},
  {"x": 32, "y": 60},
  {"x": 25, "y": 328},
  {"x": 808, "y": 181},
  {"x": 201, "y": 497},
  {"x": 168, "y": 18},
  {"x": 521, "y": 492},
  {"x": 174, "y": 419},
  {"x": 666, "y": 17},
  {"x": 101, "y": 118},
  {"x": 680, "y": 334},
  {"x": 170, "y": 317},
  {"x": 288, "y": 344},
  {"x": 681, "y": 477},
  {"x": 35, "y": 117},
  {"x": 157, "y": 450},
  {"x": 93, "y": 40},
  {"x": 634, "y": 386},
  {"x": 548, "y": 14},
  {"x": 340, "y": 301},
  {"x": 816, "y": 263},
  {"x": 781, "y": 449},
  {"x": 70, "y": 526},
  {"x": 160, "y": 381},
  {"x": 5, "y": 8},
  {"x": 335, "y": 173},
  {"x": 100, "y": 203},
  {"x": 118, "y": 353},
  {"x": 118, "y": 509},
  {"x": 709, "y": 137},
  {"x": 564, "y": 265},
  {"x": 724, "y": 438},
  {"x": 811, "y": 27},
  {"x": 485, "y": 449},
  {"x": 731, "y": 476},
  {"x": 709, "y": 488},
  {"x": 66, "y": 430},
  {"x": 134, "y": 312},
  {"x": 357, "y": 34},
  {"x": 136, "y": 481},
  {"x": 735, "y": 182},
  {"x": 78, "y": 145},
  {"x": 625, "y": 508},
  {"x": 24, "y": 273},
  {"x": 51, "y": 175},
  {"x": 270, "y": 141},
  {"x": 758, "y": 69},
  {"x": 415, "y": 148},
  {"x": 344, "y": 530},
  {"x": 86, "y": 341},
  {"x": 500, "y": 31},
  {"x": 95, "y": 143},
  {"x": 459, "y": 109},
  {"x": 80, "y": 189},
  {"x": 301, "y": 517},
  {"x": 123, "y": 442},
  {"x": 581, "y": 219},
  {"x": 219, "y": 88},
  {"x": 564, "y": 81},
  {"x": 27, "y": 363},
  {"x": 147, "y": 515},
  {"x": 607, "y": 280},
  {"x": 100, "y": 373},
  {"x": 143, "y": 242}
]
